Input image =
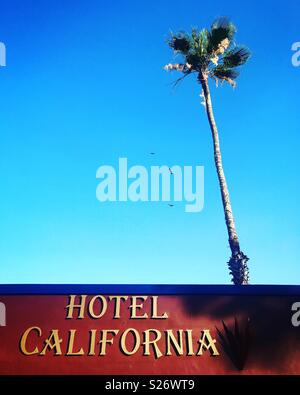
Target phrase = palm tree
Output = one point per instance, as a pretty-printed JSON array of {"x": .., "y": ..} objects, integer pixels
[{"x": 213, "y": 53}]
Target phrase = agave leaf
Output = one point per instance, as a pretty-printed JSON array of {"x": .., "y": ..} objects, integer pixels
[
  {"x": 236, "y": 329},
  {"x": 223, "y": 342}
]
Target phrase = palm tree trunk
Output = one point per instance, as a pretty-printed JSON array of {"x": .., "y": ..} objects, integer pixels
[{"x": 238, "y": 261}]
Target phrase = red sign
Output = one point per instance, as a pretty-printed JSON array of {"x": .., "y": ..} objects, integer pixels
[{"x": 109, "y": 334}]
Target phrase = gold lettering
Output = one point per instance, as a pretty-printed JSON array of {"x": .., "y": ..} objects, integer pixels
[
  {"x": 177, "y": 344},
  {"x": 147, "y": 342},
  {"x": 53, "y": 343},
  {"x": 117, "y": 304},
  {"x": 154, "y": 309},
  {"x": 71, "y": 344},
  {"x": 189, "y": 338},
  {"x": 136, "y": 341},
  {"x": 104, "y": 340},
  {"x": 92, "y": 341},
  {"x": 206, "y": 342},
  {"x": 24, "y": 339},
  {"x": 103, "y": 306},
  {"x": 71, "y": 306},
  {"x": 134, "y": 307}
]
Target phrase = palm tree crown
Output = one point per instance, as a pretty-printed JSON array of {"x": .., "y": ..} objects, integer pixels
[{"x": 210, "y": 53}]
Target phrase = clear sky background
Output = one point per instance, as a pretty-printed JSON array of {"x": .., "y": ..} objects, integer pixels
[{"x": 84, "y": 85}]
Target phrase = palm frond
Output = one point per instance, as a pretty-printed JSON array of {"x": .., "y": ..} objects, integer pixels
[
  {"x": 194, "y": 60},
  {"x": 223, "y": 72},
  {"x": 199, "y": 41},
  {"x": 180, "y": 43},
  {"x": 221, "y": 29},
  {"x": 185, "y": 68},
  {"x": 236, "y": 57}
]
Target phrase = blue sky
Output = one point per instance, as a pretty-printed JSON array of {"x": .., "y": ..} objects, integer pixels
[{"x": 84, "y": 86}]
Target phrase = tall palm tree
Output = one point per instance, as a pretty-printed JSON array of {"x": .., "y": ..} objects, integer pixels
[{"x": 213, "y": 53}]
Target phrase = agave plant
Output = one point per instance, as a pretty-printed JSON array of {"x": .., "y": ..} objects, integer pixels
[
  {"x": 213, "y": 53},
  {"x": 236, "y": 342}
]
